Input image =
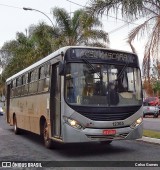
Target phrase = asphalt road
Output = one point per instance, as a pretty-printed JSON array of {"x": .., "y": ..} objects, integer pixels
[
  {"x": 28, "y": 147},
  {"x": 151, "y": 123}
]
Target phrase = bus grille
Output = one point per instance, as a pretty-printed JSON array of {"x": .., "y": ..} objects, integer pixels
[
  {"x": 107, "y": 116},
  {"x": 108, "y": 137}
]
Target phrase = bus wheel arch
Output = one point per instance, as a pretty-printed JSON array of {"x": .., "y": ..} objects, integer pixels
[
  {"x": 15, "y": 127},
  {"x": 44, "y": 132}
]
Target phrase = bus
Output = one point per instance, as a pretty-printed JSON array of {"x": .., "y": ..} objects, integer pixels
[{"x": 78, "y": 94}]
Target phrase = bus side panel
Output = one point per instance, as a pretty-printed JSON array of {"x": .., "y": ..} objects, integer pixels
[{"x": 28, "y": 111}]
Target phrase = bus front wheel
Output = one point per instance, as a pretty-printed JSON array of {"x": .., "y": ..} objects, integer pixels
[
  {"x": 47, "y": 140},
  {"x": 15, "y": 127}
]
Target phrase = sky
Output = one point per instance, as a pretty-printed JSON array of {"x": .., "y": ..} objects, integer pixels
[{"x": 14, "y": 19}]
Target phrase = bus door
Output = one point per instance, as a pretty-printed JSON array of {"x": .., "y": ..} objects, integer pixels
[
  {"x": 8, "y": 101},
  {"x": 55, "y": 103}
]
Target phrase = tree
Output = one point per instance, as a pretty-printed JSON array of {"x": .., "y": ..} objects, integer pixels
[
  {"x": 156, "y": 88},
  {"x": 156, "y": 70},
  {"x": 17, "y": 54},
  {"x": 43, "y": 37},
  {"x": 40, "y": 40},
  {"x": 27, "y": 49},
  {"x": 132, "y": 9},
  {"x": 79, "y": 29},
  {"x": 148, "y": 87}
]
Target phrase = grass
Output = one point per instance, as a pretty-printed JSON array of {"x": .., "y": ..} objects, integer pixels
[{"x": 151, "y": 134}]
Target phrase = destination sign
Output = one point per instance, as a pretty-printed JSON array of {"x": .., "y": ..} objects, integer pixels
[{"x": 103, "y": 55}]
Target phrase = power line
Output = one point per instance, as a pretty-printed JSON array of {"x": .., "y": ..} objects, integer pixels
[
  {"x": 76, "y": 3},
  {"x": 103, "y": 14},
  {"x": 9, "y": 6},
  {"x": 117, "y": 29}
]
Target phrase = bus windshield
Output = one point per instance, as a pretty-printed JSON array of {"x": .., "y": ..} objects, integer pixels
[{"x": 103, "y": 85}]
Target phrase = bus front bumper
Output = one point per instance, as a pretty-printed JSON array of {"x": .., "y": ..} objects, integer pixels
[{"x": 73, "y": 135}]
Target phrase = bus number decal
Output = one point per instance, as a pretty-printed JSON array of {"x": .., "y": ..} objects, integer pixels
[{"x": 118, "y": 123}]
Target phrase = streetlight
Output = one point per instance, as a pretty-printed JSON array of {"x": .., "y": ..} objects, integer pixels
[{"x": 31, "y": 9}]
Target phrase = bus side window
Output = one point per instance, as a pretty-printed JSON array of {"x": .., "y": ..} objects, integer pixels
[
  {"x": 44, "y": 78},
  {"x": 33, "y": 81},
  {"x": 41, "y": 73},
  {"x": 14, "y": 88},
  {"x": 17, "y": 89},
  {"x": 41, "y": 79},
  {"x": 11, "y": 89},
  {"x": 47, "y": 77},
  {"x": 19, "y": 85},
  {"x": 25, "y": 84}
]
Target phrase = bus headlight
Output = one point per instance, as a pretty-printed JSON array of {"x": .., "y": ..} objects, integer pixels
[
  {"x": 73, "y": 123},
  {"x": 137, "y": 123}
]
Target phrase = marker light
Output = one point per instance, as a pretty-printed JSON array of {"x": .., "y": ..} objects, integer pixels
[{"x": 137, "y": 123}]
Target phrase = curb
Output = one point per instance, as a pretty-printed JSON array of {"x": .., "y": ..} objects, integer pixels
[{"x": 149, "y": 140}]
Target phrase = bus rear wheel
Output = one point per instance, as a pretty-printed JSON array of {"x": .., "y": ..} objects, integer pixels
[
  {"x": 47, "y": 141},
  {"x": 15, "y": 127}
]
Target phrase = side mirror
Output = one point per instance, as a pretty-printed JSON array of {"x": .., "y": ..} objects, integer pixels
[{"x": 61, "y": 68}]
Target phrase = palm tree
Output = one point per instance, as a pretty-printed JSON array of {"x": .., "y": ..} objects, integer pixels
[
  {"x": 41, "y": 39},
  {"x": 79, "y": 29},
  {"x": 131, "y": 9}
]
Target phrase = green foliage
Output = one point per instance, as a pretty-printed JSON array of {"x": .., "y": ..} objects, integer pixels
[
  {"x": 156, "y": 87},
  {"x": 79, "y": 29},
  {"x": 130, "y": 9},
  {"x": 27, "y": 49},
  {"x": 17, "y": 56},
  {"x": 151, "y": 134},
  {"x": 40, "y": 40}
]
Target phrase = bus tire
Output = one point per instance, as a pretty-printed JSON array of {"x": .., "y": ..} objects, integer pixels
[
  {"x": 15, "y": 127},
  {"x": 106, "y": 142},
  {"x": 47, "y": 141}
]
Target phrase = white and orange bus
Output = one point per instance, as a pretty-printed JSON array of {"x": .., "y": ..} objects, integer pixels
[{"x": 78, "y": 94}]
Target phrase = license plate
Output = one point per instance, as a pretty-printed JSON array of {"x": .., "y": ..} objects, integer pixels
[{"x": 109, "y": 132}]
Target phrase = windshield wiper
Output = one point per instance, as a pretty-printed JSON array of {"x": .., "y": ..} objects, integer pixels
[
  {"x": 91, "y": 66},
  {"x": 122, "y": 71}
]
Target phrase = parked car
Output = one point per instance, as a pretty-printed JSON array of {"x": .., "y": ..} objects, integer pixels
[
  {"x": 1, "y": 111},
  {"x": 151, "y": 110},
  {"x": 151, "y": 101}
]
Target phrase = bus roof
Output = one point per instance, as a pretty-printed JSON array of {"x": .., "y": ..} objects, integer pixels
[{"x": 54, "y": 54}]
